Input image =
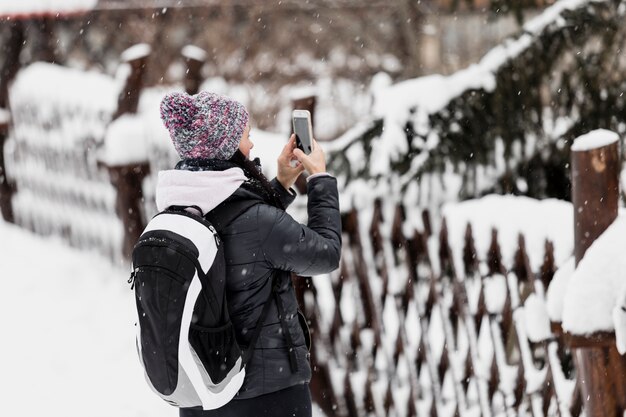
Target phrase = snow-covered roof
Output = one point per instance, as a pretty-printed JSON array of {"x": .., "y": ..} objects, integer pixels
[{"x": 29, "y": 8}]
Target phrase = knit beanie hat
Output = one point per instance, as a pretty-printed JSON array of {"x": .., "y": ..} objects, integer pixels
[{"x": 205, "y": 125}]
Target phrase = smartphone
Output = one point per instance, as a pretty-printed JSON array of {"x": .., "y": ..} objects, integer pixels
[{"x": 303, "y": 129}]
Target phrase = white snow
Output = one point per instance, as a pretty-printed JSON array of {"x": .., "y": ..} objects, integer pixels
[
  {"x": 267, "y": 147},
  {"x": 60, "y": 87},
  {"x": 5, "y": 116},
  {"x": 302, "y": 92},
  {"x": 380, "y": 81},
  {"x": 619, "y": 320},
  {"x": 59, "y": 117},
  {"x": 392, "y": 324},
  {"x": 557, "y": 288},
  {"x": 430, "y": 94},
  {"x": 125, "y": 142},
  {"x": 597, "y": 283},
  {"x": 537, "y": 220},
  {"x": 35, "y": 7},
  {"x": 536, "y": 319},
  {"x": 594, "y": 139},
  {"x": 69, "y": 336},
  {"x": 564, "y": 387},
  {"x": 495, "y": 293},
  {"x": 194, "y": 52},
  {"x": 552, "y": 14},
  {"x": 138, "y": 51},
  {"x": 535, "y": 378}
]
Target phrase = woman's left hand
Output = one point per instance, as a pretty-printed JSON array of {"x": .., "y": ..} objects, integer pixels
[{"x": 289, "y": 168}]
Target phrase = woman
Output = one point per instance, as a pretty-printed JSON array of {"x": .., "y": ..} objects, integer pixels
[{"x": 263, "y": 245}]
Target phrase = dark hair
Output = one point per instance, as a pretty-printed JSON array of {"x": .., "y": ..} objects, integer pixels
[{"x": 252, "y": 169}]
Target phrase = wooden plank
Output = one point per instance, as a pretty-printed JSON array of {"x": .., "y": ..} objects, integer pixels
[
  {"x": 6, "y": 188},
  {"x": 494, "y": 256},
  {"x": 548, "y": 268},
  {"x": 349, "y": 397},
  {"x": 598, "y": 339},
  {"x": 470, "y": 256}
]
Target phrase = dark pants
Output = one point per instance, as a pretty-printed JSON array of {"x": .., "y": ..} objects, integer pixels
[{"x": 291, "y": 402}]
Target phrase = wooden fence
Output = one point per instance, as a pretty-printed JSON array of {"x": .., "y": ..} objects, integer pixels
[
  {"x": 53, "y": 181},
  {"x": 426, "y": 339},
  {"x": 413, "y": 331}
]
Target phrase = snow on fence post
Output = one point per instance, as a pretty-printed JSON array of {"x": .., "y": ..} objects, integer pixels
[
  {"x": 194, "y": 58},
  {"x": 128, "y": 171},
  {"x": 595, "y": 193}
]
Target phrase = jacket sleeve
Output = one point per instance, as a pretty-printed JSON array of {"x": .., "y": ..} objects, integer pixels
[
  {"x": 286, "y": 196},
  {"x": 306, "y": 250}
]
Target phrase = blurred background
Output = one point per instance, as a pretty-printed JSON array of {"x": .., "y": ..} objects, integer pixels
[{"x": 450, "y": 127}]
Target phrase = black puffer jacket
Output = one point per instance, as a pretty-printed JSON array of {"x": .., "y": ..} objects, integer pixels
[{"x": 263, "y": 241}]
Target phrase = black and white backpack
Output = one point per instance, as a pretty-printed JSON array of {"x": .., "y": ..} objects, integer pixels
[{"x": 185, "y": 339}]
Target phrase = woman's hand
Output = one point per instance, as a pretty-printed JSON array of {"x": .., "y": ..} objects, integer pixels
[
  {"x": 315, "y": 162},
  {"x": 289, "y": 168}
]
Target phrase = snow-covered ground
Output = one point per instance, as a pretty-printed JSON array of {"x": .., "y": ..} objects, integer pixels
[{"x": 67, "y": 344}]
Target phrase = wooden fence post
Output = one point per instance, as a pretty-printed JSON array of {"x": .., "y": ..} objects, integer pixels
[
  {"x": 306, "y": 102},
  {"x": 47, "y": 41},
  {"x": 6, "y": 189},
  {"x": 194, "y": 58},
  {"x": 127, "y": 179},
  {"x": 136, "y": 57},
  {"x": 10, "y": 66},
  {"x": 595, "y": 193}
]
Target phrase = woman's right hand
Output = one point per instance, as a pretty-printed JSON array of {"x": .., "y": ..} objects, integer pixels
[{"x": 315, "y": 162}]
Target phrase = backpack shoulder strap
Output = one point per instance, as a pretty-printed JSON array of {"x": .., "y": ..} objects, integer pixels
[
  {"x": 293, "y": 360},
  {"x": 247, "y": 354}
]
